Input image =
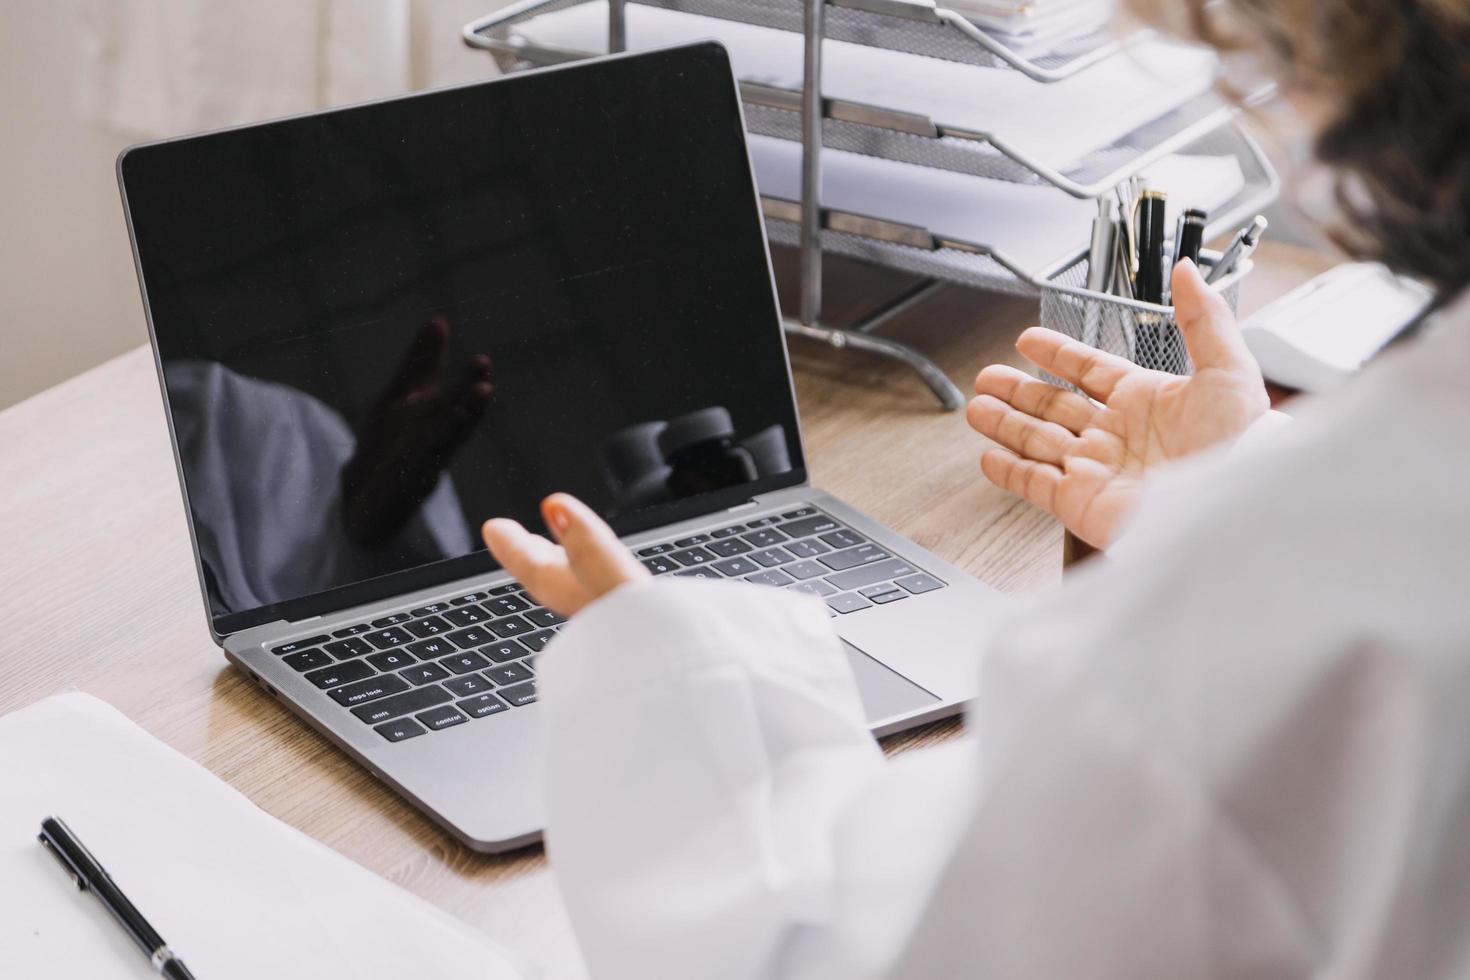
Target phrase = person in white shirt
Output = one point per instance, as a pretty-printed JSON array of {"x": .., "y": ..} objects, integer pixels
[{"x": 1237, "y": 745}]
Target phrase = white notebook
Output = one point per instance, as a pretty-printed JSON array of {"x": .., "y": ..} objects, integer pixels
[{"x": 235, "y": 892}]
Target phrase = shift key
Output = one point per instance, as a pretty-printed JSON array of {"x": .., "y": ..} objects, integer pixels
[
  {"x": 879, "y": 571},
  {"x": 368, "y": 690},
  {"x": 401, "y": 704}
]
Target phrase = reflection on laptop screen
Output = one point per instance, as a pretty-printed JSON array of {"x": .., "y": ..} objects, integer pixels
[{"x": 382, "y": 325}]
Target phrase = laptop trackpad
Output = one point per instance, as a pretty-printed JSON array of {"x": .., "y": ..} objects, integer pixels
[{"x": 884, "y": 692}]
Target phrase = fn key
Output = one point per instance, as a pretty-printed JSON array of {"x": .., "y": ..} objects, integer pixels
[{"x": 397, "y": 731}]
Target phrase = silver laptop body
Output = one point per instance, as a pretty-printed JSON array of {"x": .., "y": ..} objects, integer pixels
[{"x": 429, "y": 681}]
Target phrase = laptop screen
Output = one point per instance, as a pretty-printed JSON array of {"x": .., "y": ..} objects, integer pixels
[{"x": 380, "y": 326}]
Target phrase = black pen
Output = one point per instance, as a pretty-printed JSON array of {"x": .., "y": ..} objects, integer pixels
[
  {"x": 1151, "y": 247},
  {"x": 90, "y": 877}
]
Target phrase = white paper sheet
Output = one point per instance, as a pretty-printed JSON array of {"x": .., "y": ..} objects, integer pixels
[
  {"x": 1035, "y": 227},
  {"x": 1058, "y": 124},
  {"x": 235, "y": 892}
]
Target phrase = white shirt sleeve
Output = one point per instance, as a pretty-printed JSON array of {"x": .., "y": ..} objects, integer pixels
[{"x": 716, "y": 805}]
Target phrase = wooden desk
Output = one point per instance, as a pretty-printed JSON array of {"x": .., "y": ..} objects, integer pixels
[{"x": 99, "y": 591}]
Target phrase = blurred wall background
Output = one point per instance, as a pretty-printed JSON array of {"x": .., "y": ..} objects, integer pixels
[{"x": 81, "y": 79}]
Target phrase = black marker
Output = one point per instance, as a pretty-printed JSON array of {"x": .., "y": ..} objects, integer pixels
[{"x": 89, "y": 876}]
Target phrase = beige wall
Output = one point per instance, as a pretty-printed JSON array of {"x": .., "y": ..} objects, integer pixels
[{"x": 68, "y": 296}]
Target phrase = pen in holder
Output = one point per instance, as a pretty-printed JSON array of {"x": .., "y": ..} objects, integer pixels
[{"x": 1144, "y": 333}]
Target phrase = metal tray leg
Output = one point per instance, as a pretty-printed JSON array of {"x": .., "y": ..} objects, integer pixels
[{"x": 949, "y": 396}]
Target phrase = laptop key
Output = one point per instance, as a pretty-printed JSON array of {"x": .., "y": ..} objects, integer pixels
[
  {"x": 520, "y": 694},
  {"x": 841, "y": 560},
  {"x": 473, "y": 637},
  {"x": 660, "y": 565},
  {"x": 505, "y": 605},
  {"x": 510, "y": 626},
  {"x": 504, "y": 650},
  {"x": 510, "y": 588},
  {"x": 397, "y": 731},
  {"x": 815, "y": 586},
  {"x": 792, "y": 515},
  {"x": 537, "y": 641},
  {"x": 921, "y": 583},
  {"x": 809, "y": 526},
  {"x": 736, "y": 566},
  {"x": 728, "y": 548},
  {"x": 393, "y": 636},
  {"x": 873, "y": 591},
  {"x": 807, "y": 549},
  {"x": 442, "y": 717},
  {"x": 884, "y": 598},
  {"x": 352, "y": 630},
  {"x": 401, "y": 704},
  {"x": 391, "y": 660},
  {"x": 432, "y": 609},
  {"x": 692, "y": 556},
  {"x": 691, "y": 540},
  {"x": 764, "y": 538},
  {"x": 430, "y": 626},
  {"x": 761, "y": 522},
  {"x": 464, "y": 663},
  {"x": 479, "y": 707},
  {"x": 339, "y": 674},
  {"x": 842, "y": 538},
  {"x": 545, "y": 617},
  {"x": 393, "y": 620},
  {"x": 420, "y": 674},
  {"x": 805, "y": 569},
  {"x": 467, "y": 615},
  {"x": 463, "y": 687},
  {"x": 868, "y": 574},
  {"x": 296, "y": 646},
  {"x": 512, "y": 673},
  {"x": 773, "y": 577},
  {"x": 703, "y": 571},
  {"x": 432, "y": 649},
  {"x": 655, "y": 549},
  {"x": 465, "y": 600},
  {"x": 348, "y": 648},
  {"x": 368, "y": 690},
  {"x": 726, "y": 532},
  {"x": 307, "y": 659},
  {"x": 770, "y": 556},
  {"x": 847, "y": 602}
]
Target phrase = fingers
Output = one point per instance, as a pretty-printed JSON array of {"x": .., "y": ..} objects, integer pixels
[
  {"x": 1095, "y": 372},
  {"x": 1034, "y": 482},
  {"x": 1037, "y": 398},
  {"x": 1210, "y": 334},
  {"x": 598, "y": 559},
  {"x": 1021, "y": 433},
  {"x": 536, "y": 563}
]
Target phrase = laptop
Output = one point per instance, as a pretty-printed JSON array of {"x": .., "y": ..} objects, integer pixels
[{"x": 377, "y": 326}]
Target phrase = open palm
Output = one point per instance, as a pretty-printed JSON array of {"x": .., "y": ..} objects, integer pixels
[{"x": 1083, "y": 459}]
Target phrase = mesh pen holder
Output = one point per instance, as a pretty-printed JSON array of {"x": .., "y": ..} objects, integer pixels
[{"x": 1144, "y": 333}]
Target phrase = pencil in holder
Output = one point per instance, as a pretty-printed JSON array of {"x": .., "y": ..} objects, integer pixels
[{"x": 1144, "y": 333}]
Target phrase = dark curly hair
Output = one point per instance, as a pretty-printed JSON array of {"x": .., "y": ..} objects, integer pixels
[{"x": 1395, "y": 77}]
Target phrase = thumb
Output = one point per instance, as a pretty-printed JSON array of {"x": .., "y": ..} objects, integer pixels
[
  {"x": 1210, "y": 334},
  {"x": 598, "y": 559}
]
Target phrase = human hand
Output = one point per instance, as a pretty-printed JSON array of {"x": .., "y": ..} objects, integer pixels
[
  {"x": 410, "y": 434},
  {"x": 588, "y": 563},
  {"x": 1084, "y": 462}
]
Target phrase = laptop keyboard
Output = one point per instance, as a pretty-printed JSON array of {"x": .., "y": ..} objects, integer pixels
[{"x": 472, "y": 656}]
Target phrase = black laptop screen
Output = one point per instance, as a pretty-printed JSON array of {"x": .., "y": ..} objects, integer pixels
[{"x": 381, "y": 325}]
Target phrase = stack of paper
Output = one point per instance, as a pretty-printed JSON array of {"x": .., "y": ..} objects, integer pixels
[
  {"x": 1057, "y": 124},
  {"x": 1032, "y": 28},
  {"x": 1035, "y": 227},
  {"x": 235, "y": 892}
]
